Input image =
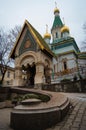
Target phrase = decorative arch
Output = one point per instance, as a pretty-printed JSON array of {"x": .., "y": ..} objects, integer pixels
[
  {"x": 65, "y": 66},
  {"x": 28, "y": 58}
]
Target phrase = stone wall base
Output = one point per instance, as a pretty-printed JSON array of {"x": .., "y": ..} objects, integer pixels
[
  {"x": 38, "y": 86},
  {"x": 71, "y": 86}
]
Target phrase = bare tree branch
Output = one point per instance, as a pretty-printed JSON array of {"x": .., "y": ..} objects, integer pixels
[{"x": 7, "y": 40}]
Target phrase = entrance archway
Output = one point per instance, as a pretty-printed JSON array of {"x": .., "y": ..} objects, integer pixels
[{"x": 30, "y": 73}]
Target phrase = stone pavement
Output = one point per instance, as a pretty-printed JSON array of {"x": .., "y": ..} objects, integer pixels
[
  {"x": 76, "y": 117},
  {"x": 74, "y": 120},
  {"x": 5, "y": 119}
]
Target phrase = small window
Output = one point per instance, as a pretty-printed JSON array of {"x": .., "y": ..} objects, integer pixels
[
  {"x": 14, "y": 75},
  {"x": 8, "y": 74},
  {"x": 52, "y": 48},
  {"x": 65, "y": 65},
  {"x": 56, "y": 35}
]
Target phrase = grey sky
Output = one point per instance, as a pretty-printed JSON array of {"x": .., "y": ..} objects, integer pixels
[{"x": 40, "y": 12}]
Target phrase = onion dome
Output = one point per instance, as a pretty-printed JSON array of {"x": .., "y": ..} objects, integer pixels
[
  {"x": 65, "y": 29},
  {"x": 47, "y": 35},
  {"x": 56, "y": 10}
]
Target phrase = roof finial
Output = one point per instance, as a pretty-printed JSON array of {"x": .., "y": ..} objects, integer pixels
[
  {"x": 47, "y": 35},
  {"x": 63, "y": 21},
  {"x": 46, "y": 28},
  {"x": 55, "y": 4},
  {"x": 56, "y": 10}
]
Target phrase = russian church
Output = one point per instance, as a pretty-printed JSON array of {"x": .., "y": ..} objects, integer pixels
[{"x": 38, "y": 60}]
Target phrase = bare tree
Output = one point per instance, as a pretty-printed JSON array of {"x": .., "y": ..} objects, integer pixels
[{"x": 7, "y": 40}]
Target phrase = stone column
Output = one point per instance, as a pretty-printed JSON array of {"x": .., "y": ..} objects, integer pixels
[
  {"x": 39, "y": 77},
  {"x": 48, "y": 74},
  {"x": 18, "y": 77}
]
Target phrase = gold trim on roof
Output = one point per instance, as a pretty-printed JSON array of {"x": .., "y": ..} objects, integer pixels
[
  {"x": 42, "y": 47},
  {"x": 35, "y": 36}
]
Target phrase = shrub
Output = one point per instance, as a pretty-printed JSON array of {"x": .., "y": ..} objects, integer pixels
[
  {"x": 44, "y": 98},
  {"x": 27, "y": 96},
  {"x": 19, "y": 98}
]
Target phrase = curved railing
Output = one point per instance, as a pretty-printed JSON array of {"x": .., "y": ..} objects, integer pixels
[{"x": 42, "y": 115}]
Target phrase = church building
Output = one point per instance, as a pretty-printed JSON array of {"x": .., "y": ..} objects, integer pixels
[{"x": 38, "y": 60}]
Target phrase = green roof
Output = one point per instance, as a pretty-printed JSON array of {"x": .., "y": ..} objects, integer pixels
[
  {"x": 42, "y": 41},
  {"x": 57, "y": 22},
  {"x": 43, "y": 45}
]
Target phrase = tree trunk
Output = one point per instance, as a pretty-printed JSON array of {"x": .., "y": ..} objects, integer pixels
[{"x": 2, "y": 78}]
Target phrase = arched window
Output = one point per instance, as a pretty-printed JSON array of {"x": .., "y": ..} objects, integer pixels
[
  {"x": 65, "y": 65},
  {"x": 8, "y": 74},
  {"x": 56, "y": 35}
]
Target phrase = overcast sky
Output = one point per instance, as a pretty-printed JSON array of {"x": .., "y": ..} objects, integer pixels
[{"x": 40, "y": 12}]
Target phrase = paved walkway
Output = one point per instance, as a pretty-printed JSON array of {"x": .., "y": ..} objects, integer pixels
[
  {"x": 75, "y": 119},
  {"x": 5, "y": 119}
]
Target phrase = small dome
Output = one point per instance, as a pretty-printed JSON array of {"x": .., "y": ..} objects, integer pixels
[
  {"x": 47, "y": 35},
  {"x": 64, "y": 29},
  {"x": 56, "y": 10}
]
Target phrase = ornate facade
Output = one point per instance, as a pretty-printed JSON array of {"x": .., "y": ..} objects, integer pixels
[
  {"x": 40, "y": 61},
  {"x": 33, "y": 58},
  {"x": 70, "y": 61}
]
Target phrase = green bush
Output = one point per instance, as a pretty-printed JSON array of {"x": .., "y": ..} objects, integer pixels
[
  {"x": 19, "y": 98},
  {"x": 44, "y": 98},
  {"x": 28, "y": 96}
]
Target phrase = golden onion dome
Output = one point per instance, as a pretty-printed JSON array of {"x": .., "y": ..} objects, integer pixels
[
  {"x": 65, "y": 29},
  {"x": 47, "y": 35},
  {"x": 56, "y": 10}
]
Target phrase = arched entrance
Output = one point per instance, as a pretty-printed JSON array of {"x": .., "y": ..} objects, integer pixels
[{"x": 30, "y": 71}]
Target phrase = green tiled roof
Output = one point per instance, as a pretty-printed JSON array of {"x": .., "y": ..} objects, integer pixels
[
  {"x": 43, "y": 45},
  {"x": 42, "y": 41},
  {"x": 57, "y": 22}
]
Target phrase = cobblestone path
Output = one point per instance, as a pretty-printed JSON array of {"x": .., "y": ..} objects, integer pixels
[
  {"x": 76, "y": 117},
  {"x": 74, "y": 120}
]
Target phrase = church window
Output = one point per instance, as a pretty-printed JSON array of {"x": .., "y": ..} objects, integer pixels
[
  {"x": 51, "y": 47},
  {"x": 65, "y": 65},
  {"x": 8, "y": 74},
  {"x": 14, "y": 75},
  {"x": 56, "y": 35}
]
